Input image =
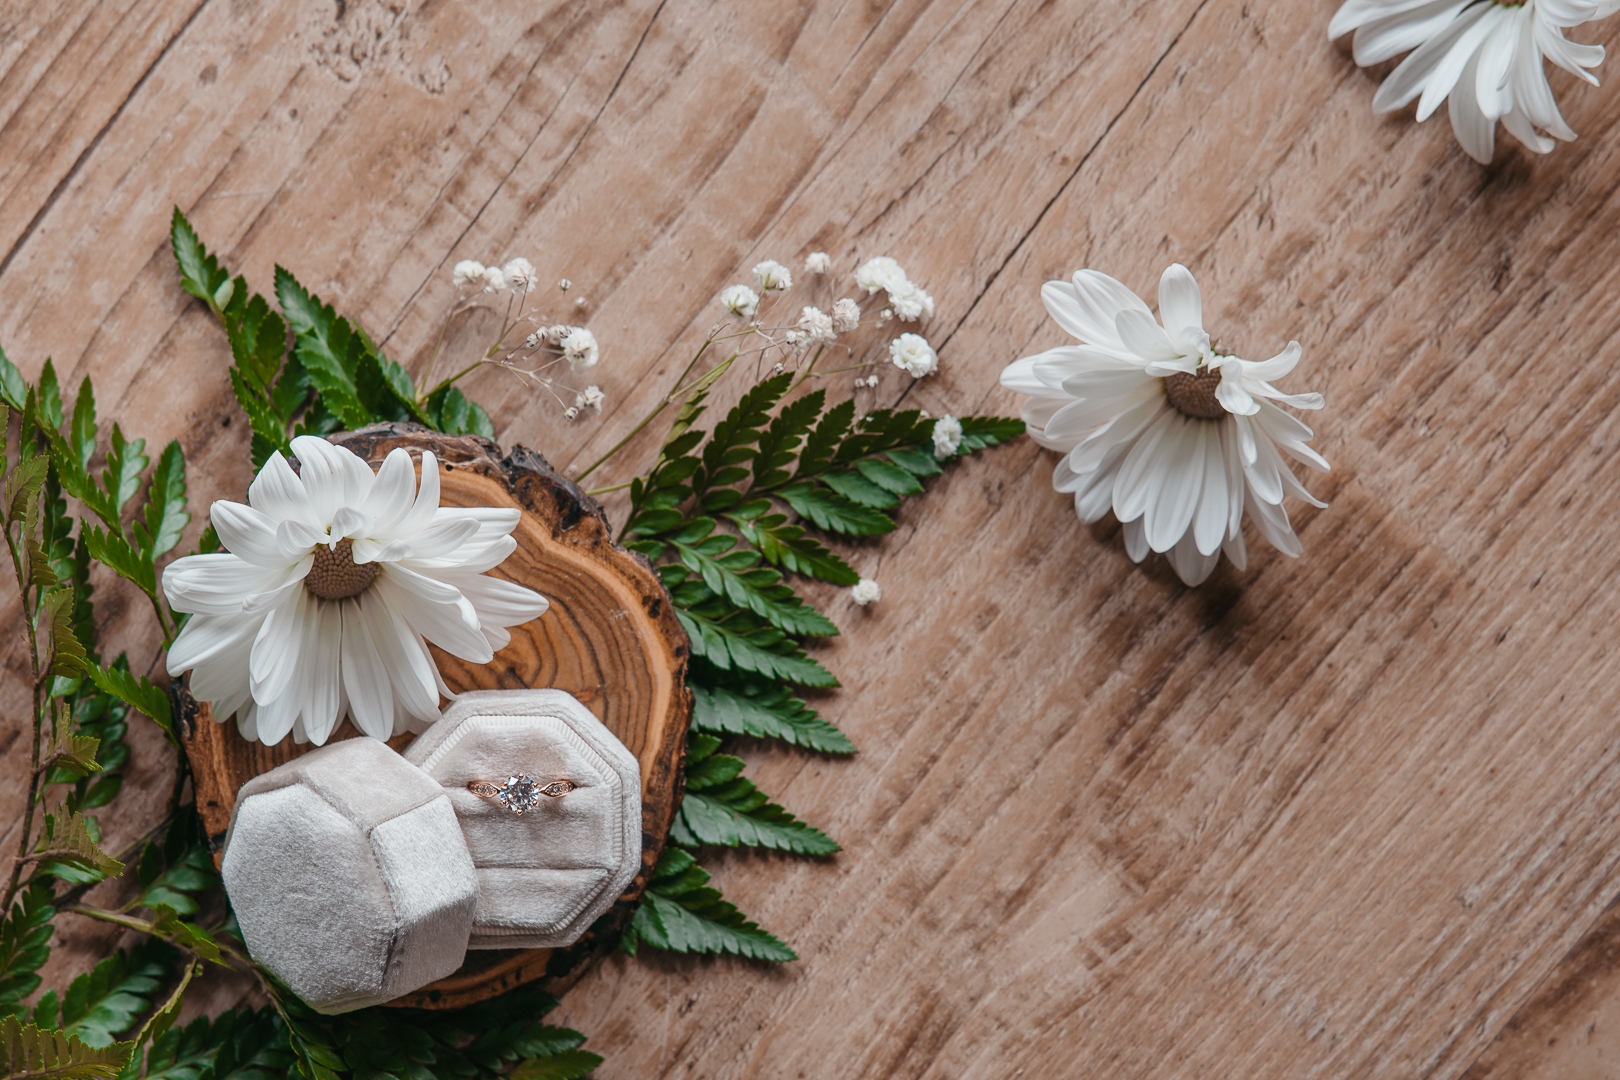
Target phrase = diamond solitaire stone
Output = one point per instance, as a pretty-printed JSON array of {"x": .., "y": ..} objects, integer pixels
[{"x": 519, "y": 793}]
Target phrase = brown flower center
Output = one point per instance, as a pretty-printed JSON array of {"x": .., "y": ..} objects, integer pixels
[
  {"x": 1194, "y": 395},
  {"x": 336, "y": 576}
]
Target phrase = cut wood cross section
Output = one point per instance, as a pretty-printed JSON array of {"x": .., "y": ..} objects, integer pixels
[{"x": 610, "y": 638}]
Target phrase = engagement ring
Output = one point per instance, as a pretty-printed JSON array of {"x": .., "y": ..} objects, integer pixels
[{"x": 519, "y": 792}]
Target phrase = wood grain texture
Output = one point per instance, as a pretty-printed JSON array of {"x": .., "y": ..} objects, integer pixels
[
  {"x": 1333, "y": 817},
  {"x": 609, "y": 638}
]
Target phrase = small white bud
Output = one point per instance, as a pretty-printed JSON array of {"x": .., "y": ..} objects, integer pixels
[
  {"x": 817, "y": 262},
  {"x": 571, "y": 412},
  {"x": 467, "y": 272},
  {"x": 592, "y": 398},
  {"x": 494, "y": 280},
  {"x": 866, "y": 591},
  {"x": 532, "y": 341},
  {"x": 565, "y": 284},
  {"x": 580, "y": 303}
]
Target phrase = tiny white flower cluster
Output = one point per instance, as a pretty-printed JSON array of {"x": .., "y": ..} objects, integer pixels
[
  {"x": 773, "y": 276},
  {"x": 517, "y": 275},
  {"x": 907, "y": 300},
  {"x": 740, "y": 300},
  {"x": 866, "y": 591},
  {"x": 913, "y": 355},
  {"x": 816, "y": 328},
  {"x": 947, "y": 437},
  {"x": 589, "y": 398}
]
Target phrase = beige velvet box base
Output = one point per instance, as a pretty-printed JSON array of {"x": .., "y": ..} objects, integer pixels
[
  {"x": 544, "y": 875},
  {"x": 349, "y": 876}
]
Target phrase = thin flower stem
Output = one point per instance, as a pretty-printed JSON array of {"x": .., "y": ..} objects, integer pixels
[
  {"x": 438, "y": 346},
  {"x": 594, "y": 492},
  {"x": 852, "y": 367},
  {"x": 24, "y": 842},
  {"x": 669, "y": 399}
]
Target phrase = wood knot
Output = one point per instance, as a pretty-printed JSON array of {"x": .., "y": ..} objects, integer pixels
[
  {"x": 336, "y": 576},
  {"x": 1194, "y": 395}
]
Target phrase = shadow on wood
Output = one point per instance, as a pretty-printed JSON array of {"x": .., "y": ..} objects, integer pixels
[{"x": 610, "y": 638}]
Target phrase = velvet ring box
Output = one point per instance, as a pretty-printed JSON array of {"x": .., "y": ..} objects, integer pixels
[
  {"x": 547, "y": 873},
  {"x": 349, "y": 876}
]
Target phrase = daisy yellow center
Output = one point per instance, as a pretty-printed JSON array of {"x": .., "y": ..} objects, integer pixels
[
  {"x": 336, "y": 576},
  {"x": 1194, "y": 395}
]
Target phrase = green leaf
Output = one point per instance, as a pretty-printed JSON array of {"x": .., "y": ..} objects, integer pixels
[
  {"x": 568, "y": 1065},
  {"x": 28, "y": 1053},
  {"x": 822, "y": 443},
  {"x": 831, "y": 511},
  {"x": 722, "y": 807},
  {"x": 328, "y": 348},
  {"x": 859, "y": 490},
  {"x": 82, "y": 431},
  {"x": 25, "y": 935},
  {"x": 159, "y": 1023},
  {"x": 679, "y": 913},
  {"x": 114, "y": 552},
  {"x": 732, "y": 574},
  {"x": 982, "y": 432},
  {"x": 166, "y": 924},
  {"x": 383, "y": 387},
  {"x": 22, "y": 487},
  {"x": 780, "y": 443},
  {"x": 771, "y": 713},
  {"x": 79, "y": 756},
  {"x": 165, "y": 514},
  {"x": 726, "y": 648},
  {"x": 915, "y": 460},
  {"x": 55, "y": 618},
  {"x": 121, "y": 479},
  {"x": 739, "y": 815},
  {"x": 49, "y": 403},
  {"x": 172, "y": 879},
  {"x": 103, "y": 1003},
  {"x": 67, "y": 840},
  {"x": 888, "y": 476},
  {"x": 239, "y": 1045},
  {"x": 200, "y": 274},
  {"x": 790, "y": 547},
  {"x": 12, "y": 387}
]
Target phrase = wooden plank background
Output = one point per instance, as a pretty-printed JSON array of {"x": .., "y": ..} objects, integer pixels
[{"x": 1344, "y": 816}]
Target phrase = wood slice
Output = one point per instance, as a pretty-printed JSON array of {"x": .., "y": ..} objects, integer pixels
[{"x": 610, "y": 638}]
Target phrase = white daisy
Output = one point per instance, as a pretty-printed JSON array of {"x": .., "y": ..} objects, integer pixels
[
  {"x": 1177, "y": 439},
  {"x": 1484, "y": 57},
  {"x": 334, "y": 581}
]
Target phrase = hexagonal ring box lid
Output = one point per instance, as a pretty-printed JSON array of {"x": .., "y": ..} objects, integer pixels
[
  {"x": 348, "y": 873},
  {"x": 556, "y": 834}
]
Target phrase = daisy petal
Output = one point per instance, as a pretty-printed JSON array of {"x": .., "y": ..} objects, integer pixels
[
  {"x": 1181, "y": 305},
  {"x": 365, "y": 676}
]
